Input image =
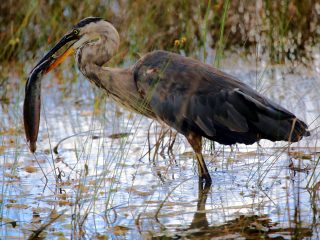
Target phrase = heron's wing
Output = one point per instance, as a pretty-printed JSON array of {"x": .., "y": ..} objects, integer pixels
[{"x": 194, "y": 97}]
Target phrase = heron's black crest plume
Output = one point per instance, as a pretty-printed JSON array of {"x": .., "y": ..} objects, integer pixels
[{"x": 87, "y": 20}]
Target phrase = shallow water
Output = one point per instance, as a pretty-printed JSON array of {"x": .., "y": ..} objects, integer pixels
[{"x": 118, "y": 176}]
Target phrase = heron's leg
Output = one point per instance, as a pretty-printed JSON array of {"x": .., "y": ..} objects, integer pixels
[
  {"x": 196, "y": 143},
  {"x": 200, "y": 217}
]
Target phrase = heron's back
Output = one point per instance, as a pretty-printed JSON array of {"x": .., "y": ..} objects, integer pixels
[{"x": 194, "y": 97}]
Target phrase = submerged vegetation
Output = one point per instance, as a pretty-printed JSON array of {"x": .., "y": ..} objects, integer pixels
[{"x": 104, "y": 173}]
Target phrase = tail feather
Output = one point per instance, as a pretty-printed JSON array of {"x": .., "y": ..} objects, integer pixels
[
  {"x": 299, "y": 130},
  {"x": 270, "y": 120},
  {"x": 291, "y": 130}
]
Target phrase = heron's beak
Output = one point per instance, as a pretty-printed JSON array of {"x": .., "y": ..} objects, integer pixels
[
  {"x": 60, "y": 59},
  {"x": 63, "y": 41}
]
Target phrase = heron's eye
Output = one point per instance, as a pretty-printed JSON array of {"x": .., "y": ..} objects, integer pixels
[{"x": 76, "y": 31}]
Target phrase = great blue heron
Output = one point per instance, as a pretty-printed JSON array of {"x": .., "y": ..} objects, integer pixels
[{"x": 194, "y": 98}]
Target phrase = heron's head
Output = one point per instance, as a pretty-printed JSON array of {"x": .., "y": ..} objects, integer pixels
[{"x": 88, "y": 31}]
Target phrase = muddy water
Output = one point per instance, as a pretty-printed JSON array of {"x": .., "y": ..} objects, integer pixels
[{"x": 117, "y": 175}]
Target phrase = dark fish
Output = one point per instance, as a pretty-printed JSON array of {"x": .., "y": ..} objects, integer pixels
[{"x": 32, "y": 103}]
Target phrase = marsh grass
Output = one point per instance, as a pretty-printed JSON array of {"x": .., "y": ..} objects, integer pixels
[
  {"x": 289, "y": 28},
  {"x": 220, "y": 45}
]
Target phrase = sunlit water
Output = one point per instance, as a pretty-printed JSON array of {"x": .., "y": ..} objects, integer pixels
[{"x": 133, "y": 186}]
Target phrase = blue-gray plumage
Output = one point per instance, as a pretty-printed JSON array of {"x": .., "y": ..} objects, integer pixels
[{"x": 194, "y": 98}]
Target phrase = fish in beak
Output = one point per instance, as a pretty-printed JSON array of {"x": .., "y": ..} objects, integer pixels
[
  {"x": 72, "y": 36},
  {"x": 32, "y": 101}
]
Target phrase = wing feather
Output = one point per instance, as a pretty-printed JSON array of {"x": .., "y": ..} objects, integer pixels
[{"x": 194, "y": 97}]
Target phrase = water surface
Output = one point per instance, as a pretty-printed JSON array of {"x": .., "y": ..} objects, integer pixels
[{"x": 118, "y": 175}]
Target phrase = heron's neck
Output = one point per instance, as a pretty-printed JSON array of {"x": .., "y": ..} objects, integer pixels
[
  {"x": 99, "y": 52},
  {"x": 112, "y": 80},
  {"x": 92, "y": 56},
  {"x": 120, "y": 85}
]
